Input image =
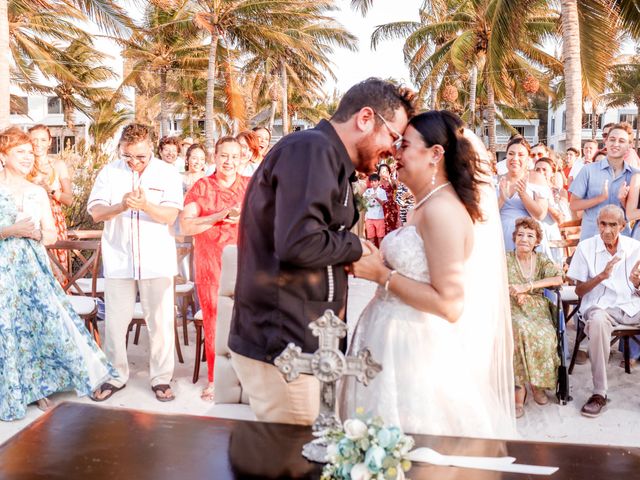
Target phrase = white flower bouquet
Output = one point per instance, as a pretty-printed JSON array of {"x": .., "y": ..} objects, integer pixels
[{"x": 364, "y": 449}]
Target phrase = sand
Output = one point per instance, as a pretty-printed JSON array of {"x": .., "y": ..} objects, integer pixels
[{"x": 618, "y": 425}]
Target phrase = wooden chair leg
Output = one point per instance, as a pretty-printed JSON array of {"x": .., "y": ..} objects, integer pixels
[
  {"x": 196, "y": 366},
  {"x": 176, "y": 337},
  {"x": 136, "y": 338},
  {"x": 627, "y": 354},
  {"x": 580, "y": 335},
  {"x": 184, "y": 305}
]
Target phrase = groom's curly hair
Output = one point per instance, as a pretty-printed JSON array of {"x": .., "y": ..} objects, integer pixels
[{"x": 461, "y": 163}]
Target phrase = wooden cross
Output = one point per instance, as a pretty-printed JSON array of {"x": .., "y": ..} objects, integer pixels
[{"x": 328, "y": 364}]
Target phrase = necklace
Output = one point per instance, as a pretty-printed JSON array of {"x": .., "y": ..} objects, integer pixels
[
  {"x": 526, "y": 277},
  {"x": 430, "y": 194}
]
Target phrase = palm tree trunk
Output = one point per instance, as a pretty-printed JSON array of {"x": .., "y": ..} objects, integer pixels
[
  {"x": 434, "y": 95},
  {"x": 5, "y": 97},
  {"x": 272, "y": 117},
  {"x": 491, "y": 117},
  {"x": 191, "y": 120},
  {"x": 211, "y": 83},
  {"x": 473, "y": 86},
  {"x": 163, "y": 104},
  {"x": 285, "y": 98},
  {"x": 572, "y": 71}
]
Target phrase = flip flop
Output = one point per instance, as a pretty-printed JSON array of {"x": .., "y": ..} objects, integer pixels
[
  {"x": 208, "y": 394},
  {"x": 163, "y": 387},
  {"x": 106, "y": 387}
]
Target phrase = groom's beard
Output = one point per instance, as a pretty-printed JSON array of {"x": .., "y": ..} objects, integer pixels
[{"x": 368, "y": 155}]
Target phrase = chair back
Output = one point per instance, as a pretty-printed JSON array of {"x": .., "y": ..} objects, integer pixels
[
  {"x": 84, "y": 262},
  {"x": 570, "y": 237},
  {"x": 227, "y": 384}
]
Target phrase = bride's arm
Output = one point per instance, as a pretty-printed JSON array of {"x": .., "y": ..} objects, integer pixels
[{"x": 446, "y": 250}]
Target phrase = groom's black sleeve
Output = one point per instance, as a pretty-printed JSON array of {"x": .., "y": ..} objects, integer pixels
[{"x": 314, "y": 207}]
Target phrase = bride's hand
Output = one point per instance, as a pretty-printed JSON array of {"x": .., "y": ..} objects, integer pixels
[{"x": 371, "y": 267}]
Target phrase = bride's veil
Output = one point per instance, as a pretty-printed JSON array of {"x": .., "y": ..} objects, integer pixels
[{"x": 484, "y": 330}]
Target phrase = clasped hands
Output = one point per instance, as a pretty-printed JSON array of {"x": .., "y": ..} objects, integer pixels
[
  {"x": 371, "y": 265},
  {"x": 25, "y": 228},
  {"x": 519, "y": 292},
  {"x": 135, "y": 200}
]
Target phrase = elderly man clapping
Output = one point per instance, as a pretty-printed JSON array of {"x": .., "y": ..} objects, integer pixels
[{"x": 606, "y": 268}]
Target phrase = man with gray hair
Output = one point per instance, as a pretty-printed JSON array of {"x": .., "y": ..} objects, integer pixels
[{"x": 606, "y": 269}]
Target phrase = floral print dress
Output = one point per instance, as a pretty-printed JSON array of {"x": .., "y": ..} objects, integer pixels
[
  {"x": 535, "y": 356},
  {"x": 44, "y": 345}
]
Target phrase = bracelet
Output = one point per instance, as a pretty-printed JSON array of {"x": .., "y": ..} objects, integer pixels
[{"x": 386, "y": 284}]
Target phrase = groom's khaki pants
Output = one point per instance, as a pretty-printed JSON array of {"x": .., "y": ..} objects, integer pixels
[
  {"x": 156, "y": 299},
  {"x": 272, "y": 398},
  {"x": 600, "y": 323}
]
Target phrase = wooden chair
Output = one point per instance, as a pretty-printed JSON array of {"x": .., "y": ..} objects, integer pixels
[
  {"x": 184, "y": 289},
  {"x": 82, "y": 268},
  {"x": 620, "y": 332},
  {"x": 138, "y": 321}
]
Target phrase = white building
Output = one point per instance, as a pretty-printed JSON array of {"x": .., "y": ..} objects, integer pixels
[
  {"x": 557, "y": 124},
  {"x": 32, "y": 109},
  {"x": 528, "y": 128}
]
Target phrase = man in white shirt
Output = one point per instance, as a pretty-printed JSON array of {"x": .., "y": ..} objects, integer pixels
[
  {"x": 374, "y": 217},
  {"x": 138, "y": 197},
  {"x": 606, "y": 268}
]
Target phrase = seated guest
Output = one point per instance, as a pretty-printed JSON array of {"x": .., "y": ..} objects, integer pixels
[
  {"x": 44, "y": 346},
  {"x": 195, "y": 161},
  {"x": 168, "y": 150},
  {"x": 521, "y": 192},
  {"x": 138, "y": 198},
  {"x": 605, "y": 269},
  {"x": 535, "y": 356},
  {"x": 602, "y": 183},
  {"x": 211, "y": 215}
]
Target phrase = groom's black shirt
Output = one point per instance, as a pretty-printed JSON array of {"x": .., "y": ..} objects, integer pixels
[{"x": 294, "y": 243}]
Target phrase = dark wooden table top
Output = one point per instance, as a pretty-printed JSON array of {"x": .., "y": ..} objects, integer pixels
[{"x": 78, "y": 441}]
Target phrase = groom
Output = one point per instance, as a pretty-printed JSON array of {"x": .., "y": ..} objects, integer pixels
[{"x": 294, "y": 242}]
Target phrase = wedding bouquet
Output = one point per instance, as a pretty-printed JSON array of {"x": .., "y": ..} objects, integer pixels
[{"x": 364, "y": 449}]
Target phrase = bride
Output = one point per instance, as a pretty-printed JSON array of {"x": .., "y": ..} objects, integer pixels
[{"x": 439, "y": 322}]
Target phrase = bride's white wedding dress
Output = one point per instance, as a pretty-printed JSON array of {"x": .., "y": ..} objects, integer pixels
[{"x": 439, "y": 378}]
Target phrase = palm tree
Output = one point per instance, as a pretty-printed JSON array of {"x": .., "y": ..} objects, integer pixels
[
  {"x": 625, "y": 86},
  {"x": 246, "y": 25},
  {"x": 77, "y": 73},
  {"x": 4, "y": 66},
  {"x": 502, "y": 40},
  {"x": 108, "y": 116},
  {"x": 168, "y": 43}
]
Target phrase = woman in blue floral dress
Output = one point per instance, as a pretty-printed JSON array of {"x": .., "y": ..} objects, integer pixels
[{"x": 44, "y": 346}]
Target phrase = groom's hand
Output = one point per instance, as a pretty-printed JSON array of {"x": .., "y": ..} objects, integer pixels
[{"x": 367, "y": 247}]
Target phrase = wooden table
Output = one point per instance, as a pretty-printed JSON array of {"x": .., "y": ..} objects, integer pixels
[{"x": 78, "y": 441}]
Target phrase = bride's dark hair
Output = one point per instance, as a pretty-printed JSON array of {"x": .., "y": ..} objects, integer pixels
[{"x": 440, "y": 127}]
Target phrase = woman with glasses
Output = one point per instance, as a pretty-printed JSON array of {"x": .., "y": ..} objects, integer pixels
[{"x": 521, "y": 192}]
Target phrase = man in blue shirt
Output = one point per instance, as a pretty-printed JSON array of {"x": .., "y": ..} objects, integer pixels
[{"x": 603, "y": 183}]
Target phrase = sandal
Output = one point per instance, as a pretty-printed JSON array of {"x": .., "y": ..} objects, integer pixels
[
  {"x": 106, "y": 387},
  {"x": 162, "y": 389},
  {"x": 539, "y": 396},
  {"x": 208, "y": 394},
  {"x": 44, "y": 404},
  {"x": 520, "y": 406}
]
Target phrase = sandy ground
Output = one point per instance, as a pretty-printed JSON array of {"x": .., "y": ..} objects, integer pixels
[{"x": 619, "y": 425}]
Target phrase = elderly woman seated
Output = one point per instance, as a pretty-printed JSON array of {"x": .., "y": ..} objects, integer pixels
[{"x": 535, "y": 355}]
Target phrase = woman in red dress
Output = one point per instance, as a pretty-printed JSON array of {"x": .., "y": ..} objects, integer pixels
[
  {"x": 390, "y": 207},
  {"x": 211, "y": 214}
]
